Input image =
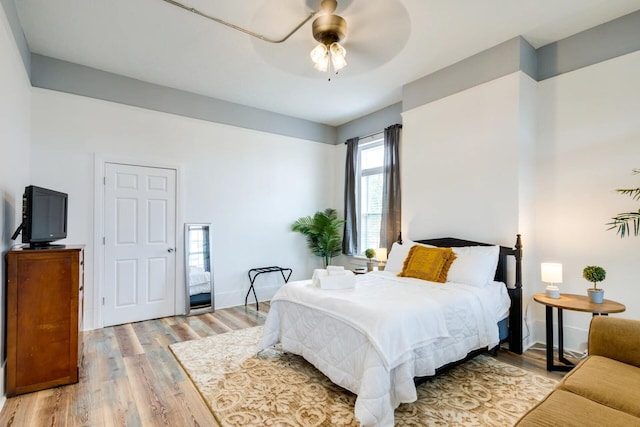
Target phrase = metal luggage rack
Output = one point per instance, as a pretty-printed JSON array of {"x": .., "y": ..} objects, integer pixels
[{"x": 255, "y": 272}]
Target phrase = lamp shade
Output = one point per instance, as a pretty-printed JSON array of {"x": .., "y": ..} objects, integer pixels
[
  {"x": 320, "y": 57},
  {"x": 381, "y": 254},
  {"x": 551, "y": 272},
  {"x": 337, "y": 56}
]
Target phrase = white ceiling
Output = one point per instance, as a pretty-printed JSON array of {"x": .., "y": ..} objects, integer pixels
[{"x": 390, "y": 43}]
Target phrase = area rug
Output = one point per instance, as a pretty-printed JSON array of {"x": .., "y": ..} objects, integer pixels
[{"x": 282, "y": 389}]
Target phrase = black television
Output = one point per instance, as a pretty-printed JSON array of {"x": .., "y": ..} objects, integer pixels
[{"x": 44, "y": 217}]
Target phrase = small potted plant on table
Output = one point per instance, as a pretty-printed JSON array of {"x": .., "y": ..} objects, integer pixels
[
  {"x": 370, "y": 253},
  {"x": 595, "y": 274}
]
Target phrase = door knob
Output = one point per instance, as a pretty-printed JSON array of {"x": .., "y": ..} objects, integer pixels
[{"x": 170, "y": 250}]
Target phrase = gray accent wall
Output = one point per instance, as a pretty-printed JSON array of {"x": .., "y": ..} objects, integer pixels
[
  {"x": 506, "y": 58},
  {"x": 606, "y": 41},
  {"x": 371, "y": 123},
  {"x": 10, "y": 10},
  {"x": 528, "y": 58},
  {"x": 609, "y": 40},
  {"x": 55, "y": 74},
  {"x": 598, "y": 44}
]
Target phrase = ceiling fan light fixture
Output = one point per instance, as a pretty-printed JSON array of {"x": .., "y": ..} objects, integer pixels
[
  {"x": 329, "y": 30},
  {"x": 320, "y": 57},
  {"x": 337, "y": 56}
]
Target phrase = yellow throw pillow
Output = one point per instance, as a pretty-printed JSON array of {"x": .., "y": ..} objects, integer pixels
[{"x": 430, "y": 264}]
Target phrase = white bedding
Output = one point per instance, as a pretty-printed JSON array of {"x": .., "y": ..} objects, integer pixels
[
  {"x": 398, "y": 328},
  {"x": 199, "y": 281}
]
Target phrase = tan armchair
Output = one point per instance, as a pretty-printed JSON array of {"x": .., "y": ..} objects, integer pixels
[{"x": 604, "y": 389}]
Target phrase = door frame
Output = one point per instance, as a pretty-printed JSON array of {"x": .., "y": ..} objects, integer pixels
[{"x": 100, "y": 162}]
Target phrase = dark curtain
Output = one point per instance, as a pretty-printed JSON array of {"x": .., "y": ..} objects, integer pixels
[
  {"x": 350, "y": 235},
  {"x": 390, "y": 223}
]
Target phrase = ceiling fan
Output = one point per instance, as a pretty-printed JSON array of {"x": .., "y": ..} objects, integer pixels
[{"x": 328, "y": 29}]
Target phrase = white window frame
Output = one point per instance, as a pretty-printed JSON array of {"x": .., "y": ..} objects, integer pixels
[{"x": 368, "y": 143}]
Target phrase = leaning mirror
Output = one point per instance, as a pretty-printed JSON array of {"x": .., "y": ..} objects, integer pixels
[{"x": 197, "y": 263}]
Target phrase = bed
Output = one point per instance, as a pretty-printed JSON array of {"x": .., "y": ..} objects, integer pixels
[
  {"x": 199, "y": 287},
  {"x": 379, "y": 338}
]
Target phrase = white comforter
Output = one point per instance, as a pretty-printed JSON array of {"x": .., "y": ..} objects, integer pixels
[
  {"x": 374, "y": 339},
  {"x": 199, "y": 281}
]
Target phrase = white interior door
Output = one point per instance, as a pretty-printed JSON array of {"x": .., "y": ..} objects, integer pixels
[{"x": 139, "y": 243}]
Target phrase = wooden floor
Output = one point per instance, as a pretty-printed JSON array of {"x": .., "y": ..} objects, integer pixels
[{"x": 129, "y": 376}]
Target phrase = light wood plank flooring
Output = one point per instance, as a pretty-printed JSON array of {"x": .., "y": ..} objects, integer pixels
[{"x": 129, "y": 377}]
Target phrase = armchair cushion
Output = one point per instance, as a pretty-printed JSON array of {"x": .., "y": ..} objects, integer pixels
[
  {"x": 562, "y": 408},
  {"x": 615, "y": 338},
  {"x": 606, "y": 381}
]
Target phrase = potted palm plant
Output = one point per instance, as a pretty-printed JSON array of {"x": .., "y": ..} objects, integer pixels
[
  {"x": 595, "y": 274},
  {"x": 322, "y": 231},
  {"x": 625, "y": 222}
]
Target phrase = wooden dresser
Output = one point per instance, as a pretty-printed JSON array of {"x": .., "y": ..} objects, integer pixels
[{"x": 45, "y": 297}]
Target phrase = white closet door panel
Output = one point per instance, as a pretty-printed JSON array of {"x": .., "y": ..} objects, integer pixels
[{"x": 140, "y": 215}]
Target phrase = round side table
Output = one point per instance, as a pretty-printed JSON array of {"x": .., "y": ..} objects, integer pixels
[{"x": 575, "y": 303}]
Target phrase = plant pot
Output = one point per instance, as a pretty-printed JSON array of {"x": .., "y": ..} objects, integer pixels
[
  {"x": 596, "y": 296},
  {"x": 369, "y": 265}
]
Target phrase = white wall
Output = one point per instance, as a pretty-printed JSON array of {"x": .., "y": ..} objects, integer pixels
[
  {"x": 14, "y": 154},
  {"x": 542, "y": 159},
  {"x": 588, "y": 143},
  {"x": 460, "y": 165},
  {"x": 251, "y": 186},
  {"x": 468, "y": 169}
]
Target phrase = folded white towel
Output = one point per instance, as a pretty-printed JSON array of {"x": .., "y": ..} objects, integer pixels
[
  {"x": 344, "y": 281},
  {"x": 317, "y": 273},
  {"x": 336, "y": 272}
]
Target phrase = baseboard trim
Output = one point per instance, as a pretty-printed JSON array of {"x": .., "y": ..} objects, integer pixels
[
  {"x": 575, "y": 339},
  {"x": 236, "y": 298}
]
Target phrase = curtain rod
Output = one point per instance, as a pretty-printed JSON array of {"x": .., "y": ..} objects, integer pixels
[{"x": 377, "y": 132}]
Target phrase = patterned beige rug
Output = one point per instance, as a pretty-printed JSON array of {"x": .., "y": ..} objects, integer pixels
[{"x": 242, "y": 389}]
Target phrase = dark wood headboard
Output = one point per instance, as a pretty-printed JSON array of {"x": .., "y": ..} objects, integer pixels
[{"x": 515, "y": 292}]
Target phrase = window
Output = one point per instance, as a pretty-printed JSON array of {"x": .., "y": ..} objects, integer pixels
[
  {"x": 372, "y": 191},
  {"x": 198, "y": 247},
  {"x": 369, "y": 194}
]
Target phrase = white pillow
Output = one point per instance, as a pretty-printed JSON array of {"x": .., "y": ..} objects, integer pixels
[
  {"x": 398, "y": 253},
  {"x": 474, "y": 265},
  {"x": 396, "y": 257}
]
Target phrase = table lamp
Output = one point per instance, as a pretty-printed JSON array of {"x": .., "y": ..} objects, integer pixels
[
  {"x": 381, "y": 256},
  {"x": 551, "y": 273}
]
